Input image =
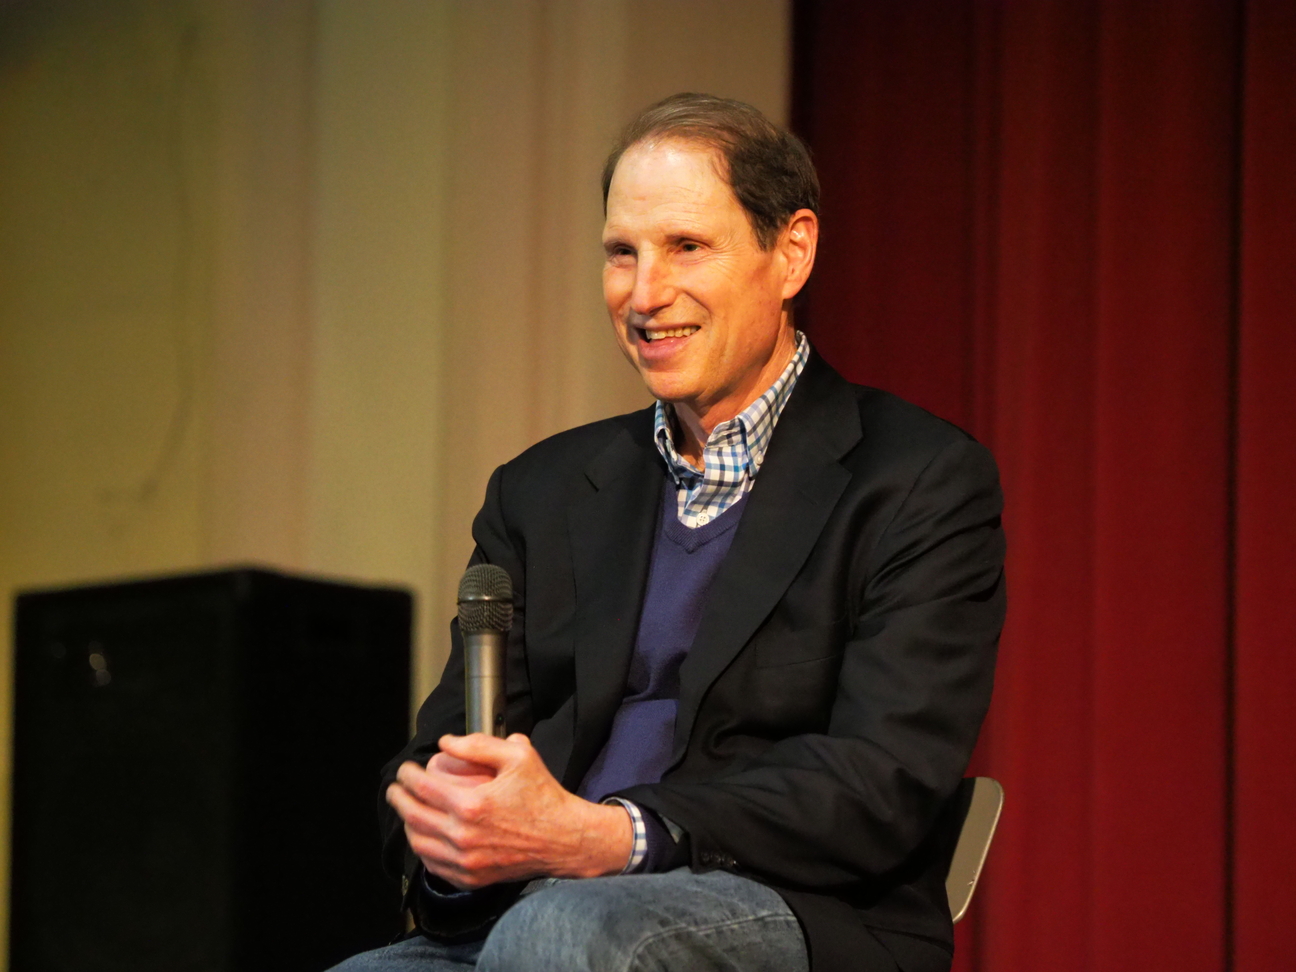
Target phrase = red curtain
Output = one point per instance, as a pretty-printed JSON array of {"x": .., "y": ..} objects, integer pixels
[{"x": 1070, "y": 227}]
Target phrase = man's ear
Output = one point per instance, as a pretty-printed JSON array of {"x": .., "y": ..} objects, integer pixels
[{"x": 798, "y": 242}]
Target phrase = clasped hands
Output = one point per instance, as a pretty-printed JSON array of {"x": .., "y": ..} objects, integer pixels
[{"x": 486, "y": 810}]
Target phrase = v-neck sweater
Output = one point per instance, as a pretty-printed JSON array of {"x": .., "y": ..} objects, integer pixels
[{"x": 684, "y": 563}]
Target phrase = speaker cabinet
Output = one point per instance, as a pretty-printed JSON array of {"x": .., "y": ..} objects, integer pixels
[{"x": 196, "y": 763}]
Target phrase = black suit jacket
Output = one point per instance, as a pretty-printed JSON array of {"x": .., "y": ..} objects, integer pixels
[{"x": 843, "y": 665}]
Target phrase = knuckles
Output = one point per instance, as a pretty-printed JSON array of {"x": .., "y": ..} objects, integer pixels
[
  {"x": 456, "y": 835},
  {"x": 472, "y": 807}
]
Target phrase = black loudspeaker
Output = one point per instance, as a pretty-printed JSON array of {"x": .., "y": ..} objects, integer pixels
[{"x": 196, "y": 764}]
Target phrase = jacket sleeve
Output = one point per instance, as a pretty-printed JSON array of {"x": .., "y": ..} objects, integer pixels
[{"x": 830, "y": 809}]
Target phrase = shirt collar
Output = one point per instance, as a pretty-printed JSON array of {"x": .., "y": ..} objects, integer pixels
[{"x": 753, "y": 426}]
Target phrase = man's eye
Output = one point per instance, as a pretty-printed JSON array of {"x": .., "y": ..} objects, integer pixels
[{"x": 691, "y": 247}]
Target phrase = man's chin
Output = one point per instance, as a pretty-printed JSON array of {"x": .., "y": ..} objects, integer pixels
[{"x": 670, "y": 388}]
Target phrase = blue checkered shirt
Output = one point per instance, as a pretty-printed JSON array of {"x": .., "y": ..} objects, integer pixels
[{"x": 734, "y": 451}]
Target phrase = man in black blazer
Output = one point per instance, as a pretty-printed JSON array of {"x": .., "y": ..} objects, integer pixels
[{"x": 840, "y": 661}]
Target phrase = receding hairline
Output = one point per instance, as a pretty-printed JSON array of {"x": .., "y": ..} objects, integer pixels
[{"x": 695, "y": 143}]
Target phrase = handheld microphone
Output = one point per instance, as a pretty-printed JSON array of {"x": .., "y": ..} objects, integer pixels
[{"x": 485, "y": 616}]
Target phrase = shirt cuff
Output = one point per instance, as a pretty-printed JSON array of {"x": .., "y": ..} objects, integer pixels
[{"x": 639, "y": 849}]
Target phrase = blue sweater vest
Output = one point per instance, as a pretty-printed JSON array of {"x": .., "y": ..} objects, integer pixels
[{"x": 684, "y": 563}]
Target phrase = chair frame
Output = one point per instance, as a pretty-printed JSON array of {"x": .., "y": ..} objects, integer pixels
[{"x": 984, "y": 800}]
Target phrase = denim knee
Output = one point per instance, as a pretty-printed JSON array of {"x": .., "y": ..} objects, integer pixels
[
  {"x": 564, "y": 928},
  {"x": 676, "y": 922}
]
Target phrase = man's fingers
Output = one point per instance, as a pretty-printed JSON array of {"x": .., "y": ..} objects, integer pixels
[
  {"x": 464, "y": 868},
  {"x": 460, "y": 770},
  {"x": 486, "y": 750},
  {"x": 442, "y": 859},
  {"x": 430, "y": 787},
  {"x": 417, "y": 814},
  {"x": 426, "y": 815},
  {"x": 454, "y": 802},
  {"x": 445, "y": 847},
  {"x": 453, "y": 764},
  {"x": 483, "y": 810}
]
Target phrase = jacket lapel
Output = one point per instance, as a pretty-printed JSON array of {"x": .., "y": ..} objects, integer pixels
[
  {"x": 798, "y": 485},
  {"x": 611, "y": 528}
]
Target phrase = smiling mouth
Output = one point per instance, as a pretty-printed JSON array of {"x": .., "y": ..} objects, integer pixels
[{"x": 666, "y": 332}]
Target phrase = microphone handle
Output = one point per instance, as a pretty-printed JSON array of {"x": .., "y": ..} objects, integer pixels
[{"x": 484, "y": 681}]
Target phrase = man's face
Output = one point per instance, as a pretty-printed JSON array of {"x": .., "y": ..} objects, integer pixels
[{"x": 696, "y": 303}]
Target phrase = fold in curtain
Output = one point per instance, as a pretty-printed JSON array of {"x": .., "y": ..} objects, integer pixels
[{"x": 1070, "y": 227}]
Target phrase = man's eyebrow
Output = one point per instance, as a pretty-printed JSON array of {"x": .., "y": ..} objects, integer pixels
[{"x": 671, "y": 234}]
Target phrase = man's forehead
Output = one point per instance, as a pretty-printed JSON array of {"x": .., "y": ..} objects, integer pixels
[
  {"x": 681, "y": 145},
  {"x": 674, "y": 157},
  {"x": 670, "y": 177}
]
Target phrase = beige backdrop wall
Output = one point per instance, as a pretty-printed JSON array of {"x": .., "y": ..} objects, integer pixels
[{"x": 282, "y": 281}]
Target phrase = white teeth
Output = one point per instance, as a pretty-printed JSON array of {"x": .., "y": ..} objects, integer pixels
[{"x": 669, "y": 332}]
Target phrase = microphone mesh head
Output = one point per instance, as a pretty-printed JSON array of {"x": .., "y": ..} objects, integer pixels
[{"x": 485, "y": 599}]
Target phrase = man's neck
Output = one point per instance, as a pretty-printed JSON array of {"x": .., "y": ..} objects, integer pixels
[{"x": 694, "y": 423}]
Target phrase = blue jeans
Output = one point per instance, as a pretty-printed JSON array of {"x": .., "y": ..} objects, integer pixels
[{"x": 678, "y": 921}]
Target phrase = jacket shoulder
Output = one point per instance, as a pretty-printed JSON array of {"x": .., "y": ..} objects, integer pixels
[
  {"x": 866, "y": 421},
  {"x": 900, "y": 440},
  {"x": 547, "y": 475},
  {"x": 888, "y": 418},
  {"x": 573, "y": 448}
]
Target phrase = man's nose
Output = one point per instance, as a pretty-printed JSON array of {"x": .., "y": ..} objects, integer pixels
[{"x": 654, "y": 288}]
